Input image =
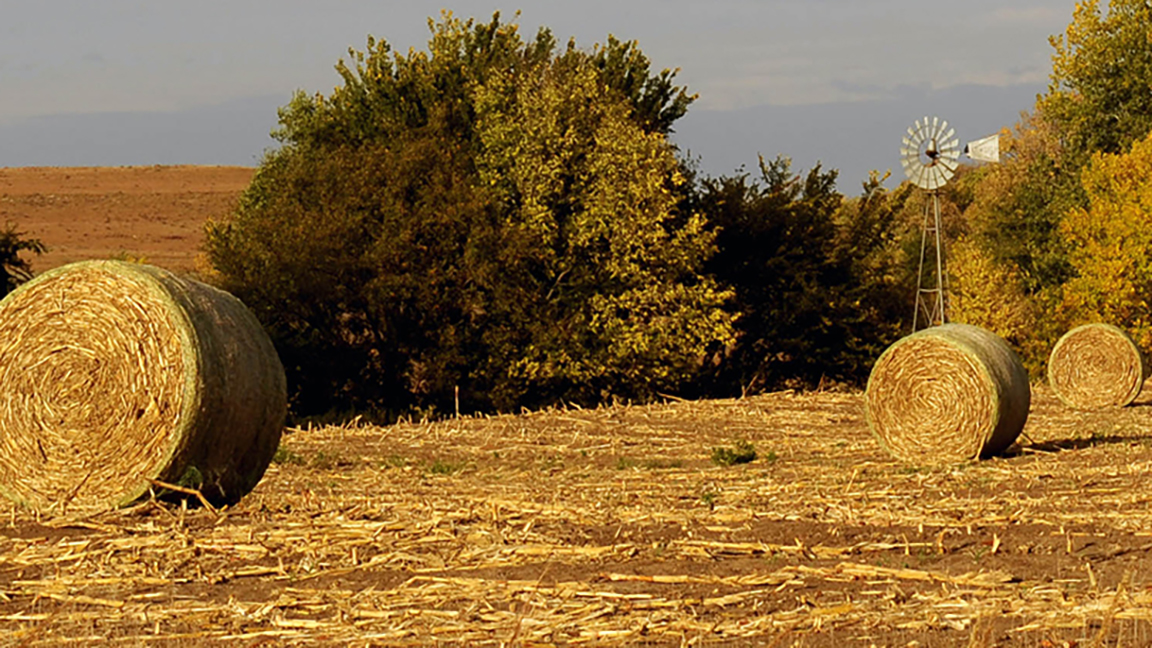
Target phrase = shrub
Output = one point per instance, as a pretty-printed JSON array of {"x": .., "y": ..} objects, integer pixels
[
  {"x": 15, "y": 270},
  {"x": 817, "y": 277},
  {"x": 491, "y": 215},
  {"x": 743, "y": 452}
]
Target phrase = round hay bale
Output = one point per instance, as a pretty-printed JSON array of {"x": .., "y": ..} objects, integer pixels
[
  {"x": 114, "y": 374},
  {"x": 947, "y": 394},
  {"x": 1096, "y": 366}
]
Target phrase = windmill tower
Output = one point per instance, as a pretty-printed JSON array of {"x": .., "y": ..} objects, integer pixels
[{"x": 930, "y": 155}]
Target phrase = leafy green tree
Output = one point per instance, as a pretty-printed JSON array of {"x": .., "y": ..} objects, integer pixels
[
  {"x": 656, "y": 101},
  {"x": 1100, "y": 95},
  {"x": 1099, "y": 99},
  {"x": 1020, "y": 264},
  {"x": 14, "y": 269},
  {"x": 876, "y": 244},
  {"x": 590, "y": 197},
  {"x": 1013, "y": 262},
  {"x": 1018, "y": 205},
  {"x": 490, "y": 215}
]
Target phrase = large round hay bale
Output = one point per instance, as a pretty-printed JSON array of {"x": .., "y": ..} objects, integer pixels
[
  {"x": 1096, "y": 366},
  {"x": 114, "y": 374},
  {"x": 947, "y": 394}
]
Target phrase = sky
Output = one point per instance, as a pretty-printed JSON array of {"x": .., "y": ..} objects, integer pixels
[{"x": 835, "y": 82}]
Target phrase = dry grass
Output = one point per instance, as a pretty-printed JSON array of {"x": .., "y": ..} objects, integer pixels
[{"x": 614, "y": 527}]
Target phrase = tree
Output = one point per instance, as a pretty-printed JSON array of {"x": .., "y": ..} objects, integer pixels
[
  {"x": 1100, "y": 95},
  {"x": 814, "y": 275},
  {"x": 874, "y": 239},
  {"x": 1112, "y": 244},
  {"x": 15, "y": 270},
  {"x": 1018, "y": 205},
  {"x": 991, "y": 295},
  {"x": 1099, "y": 99},
  {"x": 592, "y": 204},
  {"x": 491, "y": 215},
  {"x": 656, "y": 102}
]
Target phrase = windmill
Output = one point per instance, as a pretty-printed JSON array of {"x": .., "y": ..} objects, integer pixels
[{"x": 930, "y": 155}]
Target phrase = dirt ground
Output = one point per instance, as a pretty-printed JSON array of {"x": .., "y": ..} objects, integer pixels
[
  {"x": 150, "y": 213},
  {"x": 607, "y": 527}
]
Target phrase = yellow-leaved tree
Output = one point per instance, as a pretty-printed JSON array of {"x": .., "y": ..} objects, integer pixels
[
  {"x": 991, "y": 295},
  {"x": 1099, "y": 101},
  {"x": 1111, "y": 244}
]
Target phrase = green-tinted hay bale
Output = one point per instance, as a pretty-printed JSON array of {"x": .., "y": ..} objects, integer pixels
[
  {"x": 1096, "y": 366},
  {"x": 112, "y": 374},
  {"x": 947, "y": 394}
]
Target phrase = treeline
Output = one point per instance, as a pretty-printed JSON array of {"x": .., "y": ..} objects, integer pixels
[
  {"x": 1059, "y": 233},
  {"x": 502, "y": 222}
]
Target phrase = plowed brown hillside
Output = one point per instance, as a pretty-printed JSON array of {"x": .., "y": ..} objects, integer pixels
[{"x": 154, "y": 213}]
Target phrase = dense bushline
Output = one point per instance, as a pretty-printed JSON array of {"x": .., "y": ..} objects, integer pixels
[
  {"x": 501, "y": 222},
  {"x": 821, "y": 282}
]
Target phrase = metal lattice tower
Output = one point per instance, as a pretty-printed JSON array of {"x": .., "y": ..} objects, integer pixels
[
  {"x": 931, "y": 291},
  {"x": 930, "y": 155}
]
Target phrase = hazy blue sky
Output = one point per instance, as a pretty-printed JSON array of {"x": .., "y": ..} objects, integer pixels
[{"x": 151, "y": 82}]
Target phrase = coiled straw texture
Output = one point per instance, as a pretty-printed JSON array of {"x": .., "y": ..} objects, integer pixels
[
  {"x": 947, "y": 394},
  {"x": 1096, "y": 366},
  {"x": 115, "y": 374}
]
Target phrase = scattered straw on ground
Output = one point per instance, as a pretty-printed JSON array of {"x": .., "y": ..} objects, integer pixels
[{"x": 613, "y": 527}]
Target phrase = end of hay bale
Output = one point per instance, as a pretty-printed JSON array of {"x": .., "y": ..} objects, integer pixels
[
  {"x": 115, "y": 374},
  {"x": 1096, "y": 366},
  {"x": 947, "y": 394}
]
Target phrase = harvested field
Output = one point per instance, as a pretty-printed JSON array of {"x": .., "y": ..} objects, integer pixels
[
  {"x": 613, "y": 527},
  {"x": 610, "y": 527}
]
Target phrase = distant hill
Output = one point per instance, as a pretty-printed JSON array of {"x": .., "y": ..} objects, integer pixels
[{"x": 234, "y": 133}]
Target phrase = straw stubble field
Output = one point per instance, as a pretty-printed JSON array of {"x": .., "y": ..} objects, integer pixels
[{"x": 614, "y": 527}]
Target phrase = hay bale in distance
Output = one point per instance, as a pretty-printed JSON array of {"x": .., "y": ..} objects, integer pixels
[
  {"x": 947, "y": 394},
  {"x": 112, "y": 374},
  {"x": 1096, "y": 366}
]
